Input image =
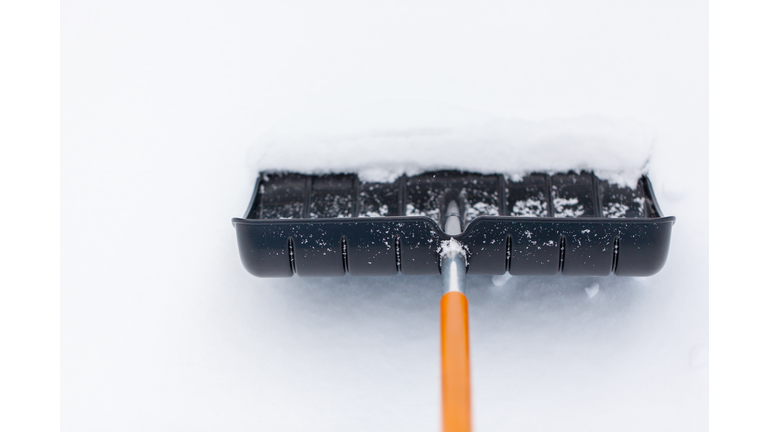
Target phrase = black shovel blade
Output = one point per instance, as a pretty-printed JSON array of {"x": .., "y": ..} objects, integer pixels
[{"x": 536, "y": 224}]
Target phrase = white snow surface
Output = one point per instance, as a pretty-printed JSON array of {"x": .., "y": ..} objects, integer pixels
[
  {"x": 162, "y": 328},
  {"x": 383, "y": 140}
]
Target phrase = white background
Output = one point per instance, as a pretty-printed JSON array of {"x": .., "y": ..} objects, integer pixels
[
  {"x": 153, "y": 337},
  {"x": 161, "y": 326}
]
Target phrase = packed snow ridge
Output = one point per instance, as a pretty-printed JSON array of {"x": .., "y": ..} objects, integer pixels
[{"x": 383, "y": 141}]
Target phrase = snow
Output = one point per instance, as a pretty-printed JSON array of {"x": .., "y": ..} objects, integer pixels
[
  {"x": 383, "y": 140},
  {"x": 481, "y": 208},
  {"x": 432, "y": 212},
  {"x": 383, "y": 210},
  {"x": 529, "y": 207},
  {"x": 567, "y": 207},
  {"x": 592, "y": 290},
  {"x": 615, "y": 210},
  {"x": 501, "y": 280},
  {"x": 161, "y": 105},
  {"x": 451, "y": 247}
]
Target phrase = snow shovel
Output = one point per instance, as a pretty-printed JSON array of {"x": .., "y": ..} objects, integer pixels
[{"x": 452, "y": 223}]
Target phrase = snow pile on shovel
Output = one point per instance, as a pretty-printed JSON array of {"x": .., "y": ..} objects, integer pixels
[
  {"x": 382, "y": 141},
  {"x": 452, "y": 247}
]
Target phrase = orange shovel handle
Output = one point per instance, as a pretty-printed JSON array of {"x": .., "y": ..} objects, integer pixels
[{"x": 454, "y": 333}]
